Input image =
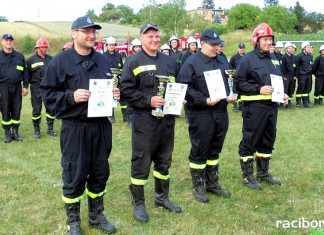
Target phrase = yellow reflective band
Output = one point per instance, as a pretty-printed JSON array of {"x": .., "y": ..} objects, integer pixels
[
  {"x": 95, "y": 195},
  {"x": 71, "y": 200},
  {"x": 6, "y": 123},
  {"x": 275, "y": 62},
  {"x": 119, "y": 65},
  {"x": 265, "y": 155},
  {"x": 244, "y": 159},
  {"x": 160, "y": 176},
  {"x": 321, "y": 96},
  {"x": 172, "y": 79},
  {"x": 298, "y": 95},
  {"x": 50, "y": 116},
  {"x": 123, "y": 106},
  {"x": 137, "y": 181},
  {"x": 144, "y": 68},
  {"x": 37, "y": 64},
  {"x": 20, "y": 68},
  {"x": 304, "y": 95},
  {"x": 197, "y": 166},
  {"x": 212, "y": 162},
  {"x": 36, "y": 118},
  {"x": 255, "y": 97},
  {"x": 294, "y": 65},
  {"x": 15, "y": 121}
]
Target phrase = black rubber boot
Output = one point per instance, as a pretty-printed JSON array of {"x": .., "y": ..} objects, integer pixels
[
  {"x": 306, "y": 103},
  {"x": 263, "y": 173},
  {"x": 299, "y": 103},
  {"x": 162, "y": 196},
  {"x": 124, "y": 114},
  {"x": 96, "y": 218},
  {"x": 248, "y": 177},
  {"x": 112, "y": 118},
  {"x": 198, "y": 182},
  {"x": 50, "y": 130},
  {"x": 7, "y": 136},
  {"x": 212, "y": 184},
  {"x": 15, "y": 134},
  {"x": 320, "y": 101},
  {"x": 36, "y": 132},
  {"x": 73, "y": 222},
  {"x": 138, "y": 200}
]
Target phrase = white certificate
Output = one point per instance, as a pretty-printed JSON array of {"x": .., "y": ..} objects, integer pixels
[
  {"x": 215, "y": 84},
  {"x": 174, "y": 97},
  {"x": 101, "y": 98},
  {"x": 278, "y": 93}
]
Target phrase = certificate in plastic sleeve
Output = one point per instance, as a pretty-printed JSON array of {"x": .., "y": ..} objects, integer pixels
[
  {"x": 174, "y": 97},
  {"x": 278, "y": 93},
  {"x": 215, "y": 84},
  {"x": 100, "y": 102}
]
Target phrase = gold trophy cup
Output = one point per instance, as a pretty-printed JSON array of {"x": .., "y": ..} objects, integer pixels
[
  {"x": 230, "y": 73},
  {"x": 116, "y": 74},
  {"x": 162, "y": 80}
]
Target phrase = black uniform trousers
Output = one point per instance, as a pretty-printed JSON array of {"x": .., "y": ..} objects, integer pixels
[
  {"x": 11, "y": 103},
  {"x": 36, "y": 101},
  {"x": 207, "y": 131},
  {"x": 304, "y": 84},
  {"x": 259, "y": 128},
  {"x": 85, "y": 147},
  {"x": 319, "y": 86},
  {"x": 290, "y": 85},
  {"x": 152, "y": 140}
]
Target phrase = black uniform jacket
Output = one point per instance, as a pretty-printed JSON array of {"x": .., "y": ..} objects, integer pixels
[
  {"x": 304, "y": 63},
  {"x": 36, "y": 66},
  {"x": 235, "y": 59},
  {"x": 288, "y": 66},
  {"x": 254, "y": 71},
  {"x": 67, "y": 72},
  {"x": 192, "y": 73},
  {"x": 318, "y": 66},
  {"x": 115, "y": 59},
  {"x": 13, "y": 69},
  {"x": 138, "y": 83}
]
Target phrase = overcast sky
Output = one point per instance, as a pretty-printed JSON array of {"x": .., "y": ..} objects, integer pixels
[{"x": 69, "y": 10}]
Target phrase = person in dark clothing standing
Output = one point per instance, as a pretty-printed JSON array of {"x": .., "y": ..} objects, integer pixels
[
  {"x": 13, "y": 85},
  {"x": 220, "y": 51},
  {"x": 86, "y": 143},
  {"x": 36, "y": 66},
  {"x": 191, "y": 49},
  {"x": 289, "y": 72},
  {"x": 175, "y": 53},
  {"x": 253, "y": 83},
  {"x": 208, "y": 119},
  {"x": 116, "y": 61},
  {"x": 152, "y": 136},
  {"x": 318, "y": 71},
  {"x": 304, "y": 62}
]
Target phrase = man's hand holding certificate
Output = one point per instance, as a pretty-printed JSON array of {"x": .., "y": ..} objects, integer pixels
[{"x": 215, "y": 84}]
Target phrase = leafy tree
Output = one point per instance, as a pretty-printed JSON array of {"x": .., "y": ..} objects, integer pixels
[
  {"x": 300, "y": 14},
  {"x": 197, "y": 23},
  {"x": 243, "y": 16},
  {"x": 126, "y": 13},
  {"x": 27, "y": 45},
  {"x": 279, "y": 19},
  {"x": 315, "y": 21},
  {"x": 269, "y": 3},
  {"x": 208, "y": 4},
  {"x": 108, "y": 6},
  {"x": 3, "y": 19},
  {"x": 91, "y": 14}
]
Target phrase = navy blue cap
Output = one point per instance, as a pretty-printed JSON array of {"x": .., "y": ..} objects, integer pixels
[
  {"x": 210, "y": 36},
  {"x": 7, "y": 36},
  {"x": 241, "y": 45},
  {"x": 147, "y": 26},
  {"x": 84, "y": 22}
]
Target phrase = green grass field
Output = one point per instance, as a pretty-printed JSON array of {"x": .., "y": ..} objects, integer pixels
[{"x": 30, "y": 173}]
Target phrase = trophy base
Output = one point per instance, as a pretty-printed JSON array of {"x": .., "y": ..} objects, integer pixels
[{"x": 158, "y": 114}]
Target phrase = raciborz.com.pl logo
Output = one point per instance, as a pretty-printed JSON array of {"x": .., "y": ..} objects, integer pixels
[{"x": 317, "y": 226}]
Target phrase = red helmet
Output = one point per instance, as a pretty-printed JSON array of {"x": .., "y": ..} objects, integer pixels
[
  {"x": 42, "y": 42},
  {"x": 67, "y": 45},
  {"x": 263, "y": 30}
]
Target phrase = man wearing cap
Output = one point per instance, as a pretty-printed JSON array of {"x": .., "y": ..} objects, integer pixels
[
  {"x": 208, "y": 118},
  {"x": 13, "y": 85},
  {"x": 86, "y": 143},
  {"x": 235, "y": 59},
  {"x": 152, "y": 136},
  {"x": 220, "y": 51},
  {"x": 36, "y": 66}
]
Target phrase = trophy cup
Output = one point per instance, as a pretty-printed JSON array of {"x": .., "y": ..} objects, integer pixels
[
  {"x": 230, "y": 73},
  {"x": 116, "y": 74},
  {"x": 162, "y": 80}
]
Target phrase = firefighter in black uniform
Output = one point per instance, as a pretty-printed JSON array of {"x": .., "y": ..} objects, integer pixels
[
  {"x": 175, "y": 53},
  {"x": 192, "y": 48},
  {"x": 304, "y": 62},
  {"x": 116, "y": 61},
  {"x": 152, "y": 137},
  {"x": 85, "y": 142},
  {"x": 208, "y": 119},
  {"x": 13, "y": 76},
  {"x": 252, "y": 80},
  {"x": 36, "y": 66},
  {"x": 288, "y": 66},
  {"x": 318, "y": 71}
]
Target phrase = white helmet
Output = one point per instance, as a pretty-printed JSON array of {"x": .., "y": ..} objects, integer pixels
[
  {"x": 173, "y": 38},
  {"x": 321, "y": 48},
  {"x": 191, "y": 39},
  {"x": 288, "y": 44},
  {"x": 279, "y": 44},
  {"x": 304, "y": 44},
  {"x": 294, "y": 45},
  {"x": 111, "y": 40},
  {"x": 135, "y": 42},
  {"x": 165, "y": 47}
]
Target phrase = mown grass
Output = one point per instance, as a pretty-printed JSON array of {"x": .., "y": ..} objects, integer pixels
[{"x": 30, "y": 174}]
